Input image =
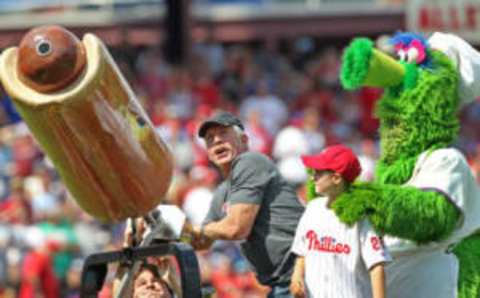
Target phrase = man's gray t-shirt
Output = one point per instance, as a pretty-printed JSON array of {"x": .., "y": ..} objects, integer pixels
[{"x": 254, "y": 179}]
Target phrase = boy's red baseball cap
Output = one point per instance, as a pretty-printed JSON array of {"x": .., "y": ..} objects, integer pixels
[{"x": 338, "y": 158}]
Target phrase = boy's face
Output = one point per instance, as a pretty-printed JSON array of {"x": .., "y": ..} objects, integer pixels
[{"x": 326, "y": 182}]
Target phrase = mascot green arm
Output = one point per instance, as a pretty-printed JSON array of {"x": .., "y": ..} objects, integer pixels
[{"x": 400, "y": 211}]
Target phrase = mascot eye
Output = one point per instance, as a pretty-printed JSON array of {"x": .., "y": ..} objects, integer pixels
[
  {"x": 412, "y": 55},
  {"x": 401, "y": 55}
]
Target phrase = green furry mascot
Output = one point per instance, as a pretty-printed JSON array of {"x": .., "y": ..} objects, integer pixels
[{"x": 424, "y": 199}]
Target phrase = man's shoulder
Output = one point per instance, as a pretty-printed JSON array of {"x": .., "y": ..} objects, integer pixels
[
  {"x": 255, "y": 159},
  {"x": 451, "y": 153},
  {"x": 252, "y": 155},
  {"x": 444, "y": 157},
  {"x": 221, "y": 188}
]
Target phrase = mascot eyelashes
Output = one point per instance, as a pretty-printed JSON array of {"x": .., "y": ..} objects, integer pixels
[{"x": 424, "y": 199}]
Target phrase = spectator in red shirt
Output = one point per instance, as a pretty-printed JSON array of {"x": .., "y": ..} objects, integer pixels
[
  {"x": 260, "y": 139},
  {"x": 368, "y": 99},
  {"x": 224, "y": 279},
  {"x": 38, "y": 278},
  {"x": 16, "y": 208},
  {"x": 314, "y": 95},
  {"x": 24, "y": 154},
  {"x": 206, "y": 91}
]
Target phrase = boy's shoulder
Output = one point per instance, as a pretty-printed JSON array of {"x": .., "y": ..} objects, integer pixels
[{"x": 317, "y": 203}]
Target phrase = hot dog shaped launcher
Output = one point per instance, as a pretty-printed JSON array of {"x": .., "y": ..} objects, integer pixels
[{"x": 86, "y": 118}]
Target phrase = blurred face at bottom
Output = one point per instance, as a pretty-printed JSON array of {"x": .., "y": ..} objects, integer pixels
[{"x": 147, "y": 285}]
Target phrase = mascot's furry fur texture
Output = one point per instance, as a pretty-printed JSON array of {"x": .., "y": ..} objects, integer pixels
[{"x": 418, "y": 114}]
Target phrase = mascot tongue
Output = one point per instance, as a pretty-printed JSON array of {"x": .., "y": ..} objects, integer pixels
[{"x": 363, "y": 65}]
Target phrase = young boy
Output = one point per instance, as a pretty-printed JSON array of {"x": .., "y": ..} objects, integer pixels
[{"x": 333, "y": 259}]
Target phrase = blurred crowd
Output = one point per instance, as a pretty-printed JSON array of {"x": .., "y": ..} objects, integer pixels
[{"x": 291, "y": 104}]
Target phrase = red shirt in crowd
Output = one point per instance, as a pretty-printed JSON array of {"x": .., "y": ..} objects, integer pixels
[
  {"x": 368, "y": 99},
  {"x": 319, "y": 99},
  {"x": 207, "y": 93},
  {"x": 15, "y": 210},
  {"x": 37, "y": 268}
]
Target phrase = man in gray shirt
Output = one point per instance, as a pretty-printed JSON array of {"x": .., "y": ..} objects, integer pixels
[{"x": 253, "y": 204}]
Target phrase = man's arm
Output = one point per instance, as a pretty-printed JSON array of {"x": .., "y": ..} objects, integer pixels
[
  {"x": 377, "y": 278},
  {"x": 236, "y": 225},
  {"x": 117, "y": 280}
]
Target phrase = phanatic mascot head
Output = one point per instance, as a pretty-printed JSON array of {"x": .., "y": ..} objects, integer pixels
[
  {"x": 424, "y": 86},
  {"x": 423, "y": 90}
]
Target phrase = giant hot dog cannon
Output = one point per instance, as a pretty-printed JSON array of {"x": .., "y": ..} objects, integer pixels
[{"x": 86, "y": 118}]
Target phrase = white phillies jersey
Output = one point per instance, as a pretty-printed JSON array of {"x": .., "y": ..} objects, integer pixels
[
  {"x": 427, "y": 270},
  {"x": 447, "y": 172},
  {"x": 337, "y": 257}
]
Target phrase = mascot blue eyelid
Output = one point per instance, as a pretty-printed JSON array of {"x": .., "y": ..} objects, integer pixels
[{"x": 424, "y": 198}]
